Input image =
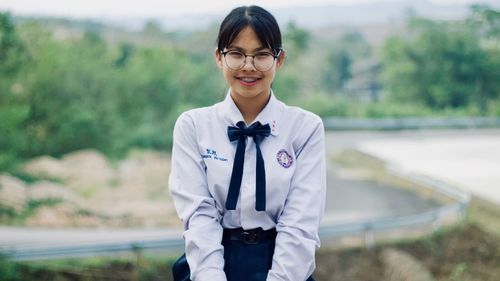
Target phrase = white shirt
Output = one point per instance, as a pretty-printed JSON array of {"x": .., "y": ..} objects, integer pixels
[{"x": 202, "y": 162}]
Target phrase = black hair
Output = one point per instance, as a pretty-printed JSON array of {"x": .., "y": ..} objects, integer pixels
[{"x": 261, "y": 21}]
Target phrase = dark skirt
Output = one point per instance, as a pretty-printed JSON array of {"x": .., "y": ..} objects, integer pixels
[{"x": 245, "y": 259}]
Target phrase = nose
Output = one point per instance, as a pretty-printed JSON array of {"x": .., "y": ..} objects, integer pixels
[{"x": 248, "y": 64}]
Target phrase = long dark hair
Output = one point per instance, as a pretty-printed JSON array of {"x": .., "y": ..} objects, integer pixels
[{"x": 261, "y": 21}]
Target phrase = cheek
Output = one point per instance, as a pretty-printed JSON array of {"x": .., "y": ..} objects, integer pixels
[
  {"x": 270, "y": 76},
  {"x": 227, "y": 74}
]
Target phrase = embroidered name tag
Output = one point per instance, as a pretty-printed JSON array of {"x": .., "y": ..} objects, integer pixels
[
  {"x": 212, "y": 154},
  {"x": 284, "y": 158}
]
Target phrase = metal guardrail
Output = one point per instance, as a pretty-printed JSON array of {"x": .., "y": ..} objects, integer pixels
[
  {"x": 327, "y": 230},
  {"x": 410, "y": 123},
  {"x": 458, "y": 208},
  {"x": 40, "y": 253}
]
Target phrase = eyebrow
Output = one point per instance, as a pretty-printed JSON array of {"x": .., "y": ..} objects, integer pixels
[{"x": 243, "y": 50}]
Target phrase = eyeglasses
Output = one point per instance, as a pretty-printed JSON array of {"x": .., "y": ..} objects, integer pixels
[{"x": 262, "y": 61}]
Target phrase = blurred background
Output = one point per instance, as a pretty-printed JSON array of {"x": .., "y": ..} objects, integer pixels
[{"x": 90, "y": 91}]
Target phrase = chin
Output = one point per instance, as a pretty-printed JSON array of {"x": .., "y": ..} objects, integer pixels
[
  {"x": 245, "y": 95},
  {"x": 248, "y": 93}
]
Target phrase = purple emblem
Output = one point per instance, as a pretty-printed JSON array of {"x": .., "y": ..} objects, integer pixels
[{"x": 284, "y": 158}]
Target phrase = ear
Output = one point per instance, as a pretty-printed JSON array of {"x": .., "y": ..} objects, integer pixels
[
  {"x": 218, "y": 58},
  {"x": 281, "y": 59}
]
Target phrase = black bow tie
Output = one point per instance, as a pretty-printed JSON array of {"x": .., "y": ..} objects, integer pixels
[{"x": 257, "y": 131}]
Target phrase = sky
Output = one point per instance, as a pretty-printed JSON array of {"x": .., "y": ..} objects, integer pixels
[{"x": 152, "y": 8}]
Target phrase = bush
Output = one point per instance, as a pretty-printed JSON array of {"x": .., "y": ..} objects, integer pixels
[{"x": 8, "y": 269}]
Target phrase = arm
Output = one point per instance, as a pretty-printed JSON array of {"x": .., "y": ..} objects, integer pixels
[
  {"x": 195, "y": 205},
  {"x": 297, "y": 227}
]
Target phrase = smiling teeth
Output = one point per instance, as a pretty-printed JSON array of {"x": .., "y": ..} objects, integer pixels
[{"x": 249, "y": 79}]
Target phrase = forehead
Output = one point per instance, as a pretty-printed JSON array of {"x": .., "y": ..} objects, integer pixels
[{"x": 247, "y": 39}]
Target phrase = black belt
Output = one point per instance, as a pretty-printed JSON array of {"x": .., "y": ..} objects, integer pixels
[{"x": 251, "y": 236}]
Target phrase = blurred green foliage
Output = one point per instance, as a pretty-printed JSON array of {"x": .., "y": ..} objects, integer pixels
[
  {"x": 83, "y": 92},
  {"x": 8, "y": 270},
  {"x": 61, "y": 91},
  {"x": 340, "y": 59},
  {"x": 445, "y": 64}
]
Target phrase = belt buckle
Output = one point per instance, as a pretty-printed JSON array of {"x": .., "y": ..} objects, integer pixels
[{"x": 250, "y": 236}]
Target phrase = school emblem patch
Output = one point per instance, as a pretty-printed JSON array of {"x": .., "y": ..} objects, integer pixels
[{"x": 284, "y": 158}]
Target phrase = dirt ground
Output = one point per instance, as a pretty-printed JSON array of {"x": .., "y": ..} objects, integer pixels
[
  {"x": 83, "y": 189},
  {"x": 465, "y": 253}
]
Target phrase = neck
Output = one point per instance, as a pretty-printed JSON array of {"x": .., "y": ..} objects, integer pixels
[{"x": 251, "y": 107}]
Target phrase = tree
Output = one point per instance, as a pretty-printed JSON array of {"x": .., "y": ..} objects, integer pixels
[
  {"x": 486, "y": 23},
  {"x": 13, "y": 110},
  {"x": 486, "y": 20},
  {"x": 288, "y": 82},
  {"x": 11, "y": 47},
  {"x": 296, "y": 38},
  {"x": 351, "y": 47},
  {"x": 152, "y": 30},
  {"x": 339, "y": 69},
  {"x": 442, "y": 65}
]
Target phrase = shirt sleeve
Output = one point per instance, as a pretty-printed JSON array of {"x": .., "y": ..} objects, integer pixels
[
  {"x": 195, "y": 205},
  {"x": 297, "y": 226}
]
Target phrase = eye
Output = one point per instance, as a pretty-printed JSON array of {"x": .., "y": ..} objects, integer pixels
[
  {"x": 263, "y": 55},
  {"x": 235, "y": 54}
]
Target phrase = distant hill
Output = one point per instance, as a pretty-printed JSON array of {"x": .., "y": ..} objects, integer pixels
[
  {"x": 321, "y": 16},
  {"x": 314, "y": 16},
  {"x": 375, "y": 20}
]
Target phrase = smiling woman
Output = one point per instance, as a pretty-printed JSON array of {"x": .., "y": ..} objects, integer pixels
[
  {"x": 250, "y": 80},
  {"x": 250, "y": 209}
]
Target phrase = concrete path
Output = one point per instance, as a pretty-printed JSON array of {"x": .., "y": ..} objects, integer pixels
[
  {"x": 350, "y": 199},
  {"x": 468, "y": 159},
  {"x": 19, "y": 237}
]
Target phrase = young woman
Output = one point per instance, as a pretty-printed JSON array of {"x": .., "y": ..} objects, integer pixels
[{"x": 248, "y": 173}]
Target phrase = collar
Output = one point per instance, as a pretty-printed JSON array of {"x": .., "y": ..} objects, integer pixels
[{"x": 271, "y": 114}]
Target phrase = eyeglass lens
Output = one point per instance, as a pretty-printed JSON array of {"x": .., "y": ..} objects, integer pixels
[{"x": 261, "y": 61}]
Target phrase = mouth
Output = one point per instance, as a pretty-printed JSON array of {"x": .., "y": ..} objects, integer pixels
[{"x": 248, "y": 81}]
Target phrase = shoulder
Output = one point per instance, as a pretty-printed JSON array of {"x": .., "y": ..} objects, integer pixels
[
  {"x": 303, "y": 128},
  {"x": 196, "y": 115}
]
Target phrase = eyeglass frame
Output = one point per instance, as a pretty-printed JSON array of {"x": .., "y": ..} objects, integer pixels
[{"x": 275, "y": 57}]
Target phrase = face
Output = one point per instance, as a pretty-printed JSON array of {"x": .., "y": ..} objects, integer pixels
[{"x": 248, "y": 82}]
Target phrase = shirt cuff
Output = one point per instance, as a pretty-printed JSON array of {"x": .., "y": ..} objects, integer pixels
[
  {"x": 271, "y": 276},
  {"x": 210, "y": 274}
]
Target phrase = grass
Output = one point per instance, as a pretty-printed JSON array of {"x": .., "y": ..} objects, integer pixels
[
  {"x": 128, "y": 267},
  {"x": 9, "y": 216},
  {"x": 17, "y": 171},
  {"x": 485, "y": 214},
  {"x": 462, "y": 252}
]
